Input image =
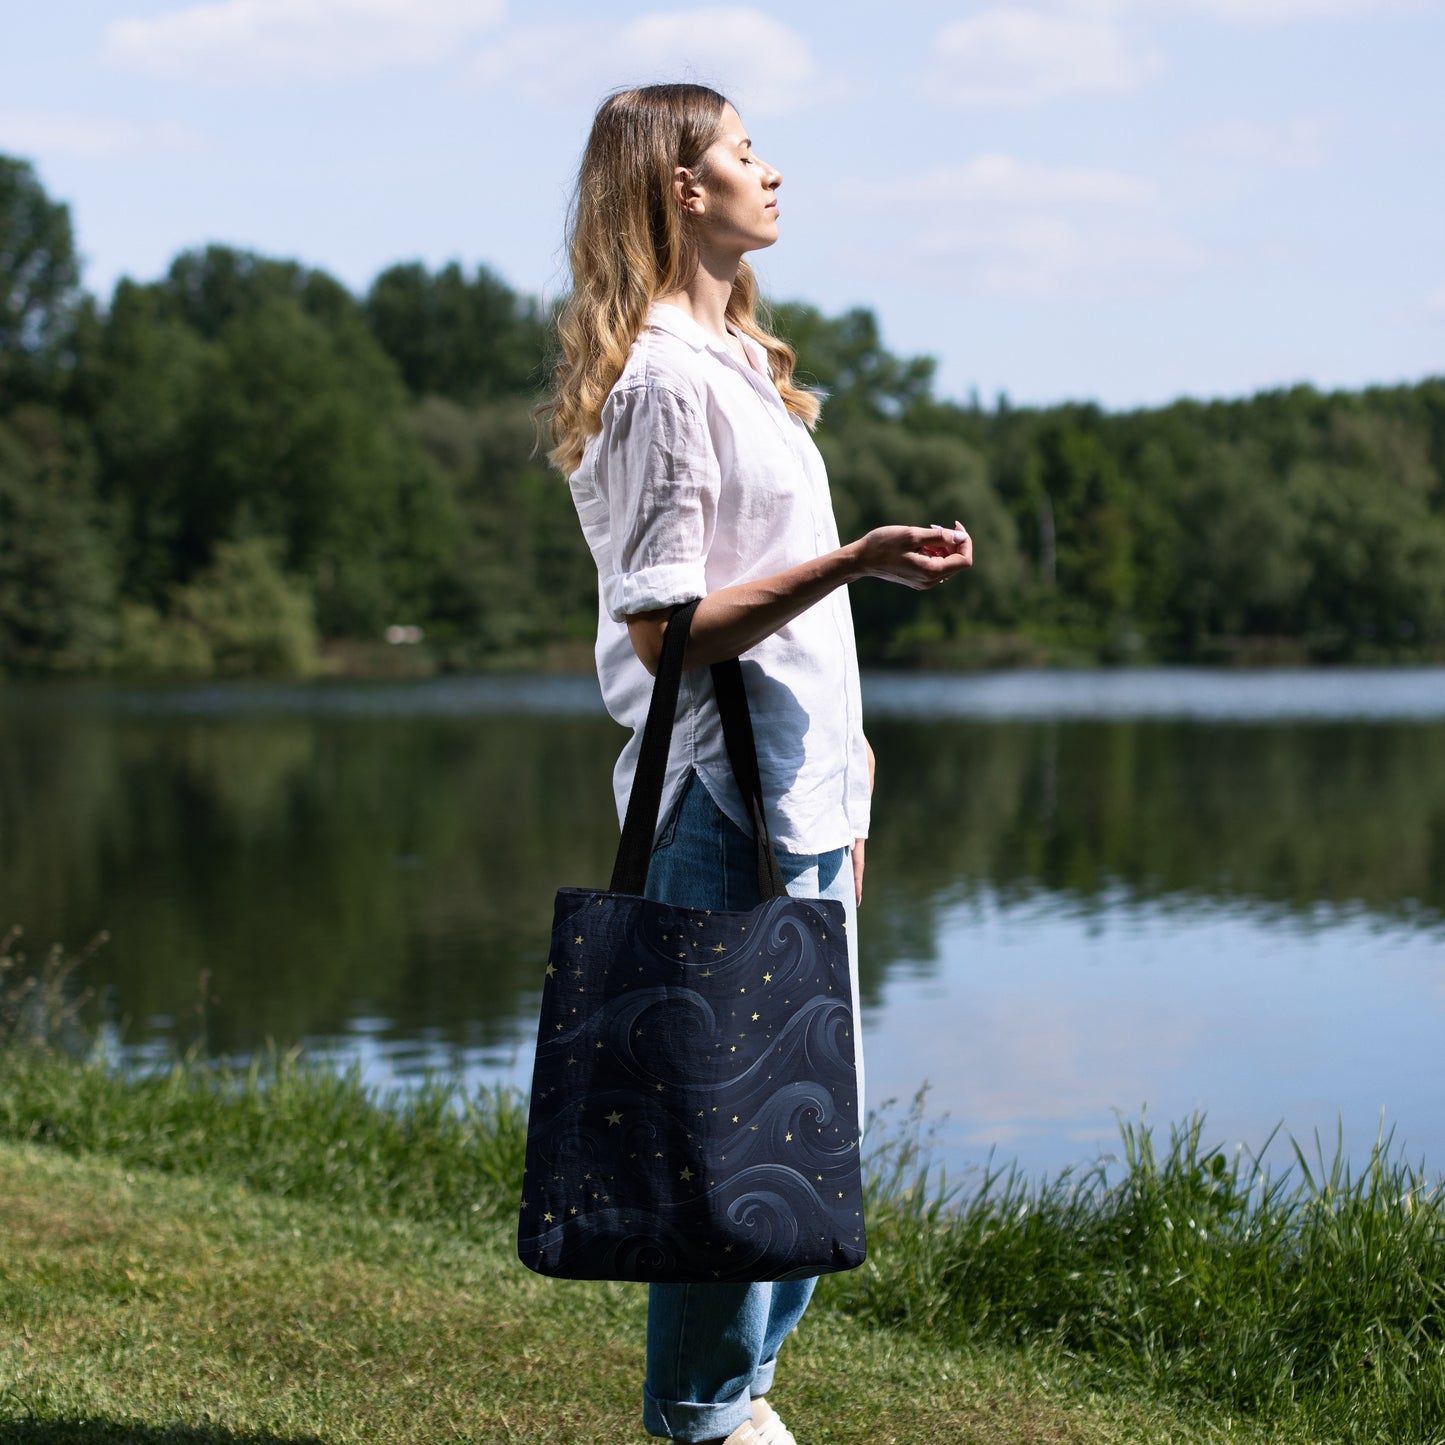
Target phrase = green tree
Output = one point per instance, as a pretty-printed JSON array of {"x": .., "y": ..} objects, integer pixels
[
  {"x": 881, "y": 473},
  {"x": 1245, "y": 569},
  {"x": 241, "y": 616},
  {"x": 844, "y": 356},
  {"x": 39, "y": 286},
  {"x": 244, "y": 397},
  {"x": 467, "y": 338},
  {"x": 144, "y": 377},
  {"x": 521, "y": 575},
  {"x": 57, "y": 581}
]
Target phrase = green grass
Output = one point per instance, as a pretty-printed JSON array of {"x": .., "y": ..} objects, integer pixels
[
  {"x": 143, "y": 1307},
  {"x": 1184, "y": 1296}
]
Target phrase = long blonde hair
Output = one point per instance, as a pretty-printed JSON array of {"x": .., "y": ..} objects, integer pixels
[{"x": 628, "y": 244}]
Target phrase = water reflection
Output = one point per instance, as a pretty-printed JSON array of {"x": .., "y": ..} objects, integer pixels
[
  {"x": 1065, "y": 913},
  {"x": 1036, "y": 1021}
]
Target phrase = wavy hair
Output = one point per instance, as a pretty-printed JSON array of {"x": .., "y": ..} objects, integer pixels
[{"x": 628, "y": 244}]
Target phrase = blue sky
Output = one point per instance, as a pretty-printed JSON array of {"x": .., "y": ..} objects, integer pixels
[{"x": 1090, "y": 199}]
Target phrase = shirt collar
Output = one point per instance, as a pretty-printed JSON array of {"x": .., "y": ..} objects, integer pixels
[{"x": 662, "y": 316}]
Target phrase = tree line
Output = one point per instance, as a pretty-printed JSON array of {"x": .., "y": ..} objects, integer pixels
[{"x": 243, "y": 466}]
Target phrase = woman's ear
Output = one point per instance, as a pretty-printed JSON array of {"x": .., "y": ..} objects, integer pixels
[{"x": 687, "y": 191}]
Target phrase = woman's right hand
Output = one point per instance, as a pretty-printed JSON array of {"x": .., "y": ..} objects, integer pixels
[{"x": 918, "y": 557}]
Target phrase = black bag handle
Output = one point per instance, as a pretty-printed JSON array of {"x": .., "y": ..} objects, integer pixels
[{"x": 634, "y": 852}]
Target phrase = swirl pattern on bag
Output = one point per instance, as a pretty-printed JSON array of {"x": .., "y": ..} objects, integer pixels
[{"x": 693, "y": 1111}]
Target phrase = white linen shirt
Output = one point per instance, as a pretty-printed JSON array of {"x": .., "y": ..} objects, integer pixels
[{"x": 699, "y": 478}]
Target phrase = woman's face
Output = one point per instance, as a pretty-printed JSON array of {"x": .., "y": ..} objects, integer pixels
[{"x": 733, "y": 201}]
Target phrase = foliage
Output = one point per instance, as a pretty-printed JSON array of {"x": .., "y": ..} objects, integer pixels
[
  {"x": 57, "y": 573},
  {"x": 466, "y": 339},
  {"x": 39, "y": 285},
  {"x": 242, "y": 616}
]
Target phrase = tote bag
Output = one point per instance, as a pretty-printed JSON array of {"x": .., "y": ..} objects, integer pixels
[{"x": 694, "y": 1115}]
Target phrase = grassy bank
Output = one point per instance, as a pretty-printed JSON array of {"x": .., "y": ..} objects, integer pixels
[{"x": 310, "y": 1261}]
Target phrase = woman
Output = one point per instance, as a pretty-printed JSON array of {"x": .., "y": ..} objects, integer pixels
[{"x": 687, "y": 445}]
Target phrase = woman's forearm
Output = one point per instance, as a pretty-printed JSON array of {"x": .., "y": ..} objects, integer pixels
[{"x": 735, "y": 619}]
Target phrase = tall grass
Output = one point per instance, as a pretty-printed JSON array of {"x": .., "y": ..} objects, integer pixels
[
  {"x": 285, "y": 1127},
  {"x": 1201, "y": 1275},
  {"x": 1315, "y": 1294}
]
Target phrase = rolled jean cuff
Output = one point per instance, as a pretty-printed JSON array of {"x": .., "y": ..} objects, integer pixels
[
  {"x": 691, "y": 1420},
  {"x": 763, "y": 1380}
]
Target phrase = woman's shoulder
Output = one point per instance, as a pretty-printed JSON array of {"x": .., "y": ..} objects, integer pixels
[{"x": 661, "y": 370}]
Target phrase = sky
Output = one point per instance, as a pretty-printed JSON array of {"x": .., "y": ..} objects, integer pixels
[{"x": 1123, "y": 201}]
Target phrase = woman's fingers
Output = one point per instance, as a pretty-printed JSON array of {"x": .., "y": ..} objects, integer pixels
[{"x": 918, "y": 557}]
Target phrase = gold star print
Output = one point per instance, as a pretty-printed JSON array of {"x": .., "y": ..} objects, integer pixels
[
  {"x": 686, "y": 1176},
  {"x": 789, "y": 1138},
  {"x": 551, "y": 972},
  {"x": 548, "y": 1217},
  {"x": 573, "y": 1210},
  {"x": 735, "y": 1118},
  {"x": 755, "y": 1018},
  {"x": 718, "y": 948},
  {"x": 614, "y": 1117},
  {"x": 578, "y": 939},
  {"x": 732, "y": 1048},
  {"x": 767, "y": 978}
]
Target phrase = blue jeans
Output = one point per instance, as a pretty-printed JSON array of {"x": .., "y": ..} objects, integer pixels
[{"x": 711, "y": 1348}]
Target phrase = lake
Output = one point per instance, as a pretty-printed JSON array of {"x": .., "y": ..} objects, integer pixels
[{"x": 1088, "y": 895}]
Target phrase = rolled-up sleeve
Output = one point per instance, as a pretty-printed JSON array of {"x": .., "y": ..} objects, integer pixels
[{"x": 659, "y": 477}]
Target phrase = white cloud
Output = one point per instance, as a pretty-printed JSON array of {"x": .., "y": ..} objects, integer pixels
[
  {"x": 762, "y": 64},
  {"x": 1023, "y": 57},
  {"x": 1044, "y": 256},
  {"x": 996, "y": 225},
  {"x": 1250, "y": 12},
  {"x": 228, "y": 39},
  {"x": 1266, "y": 12},
  {"x": 37, "y": 133},
  {"x": 1297, "y": 145}
]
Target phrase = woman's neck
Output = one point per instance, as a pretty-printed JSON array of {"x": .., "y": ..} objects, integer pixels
[{"x": 705, "y": 297}]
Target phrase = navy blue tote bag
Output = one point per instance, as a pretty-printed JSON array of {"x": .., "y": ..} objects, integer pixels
[{"x": 694, "y": 1114}]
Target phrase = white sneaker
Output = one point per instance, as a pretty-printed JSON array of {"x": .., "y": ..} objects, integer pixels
[
  {"x": 744, "y": 1435},
  {"x": 767, "y": 1427}
]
